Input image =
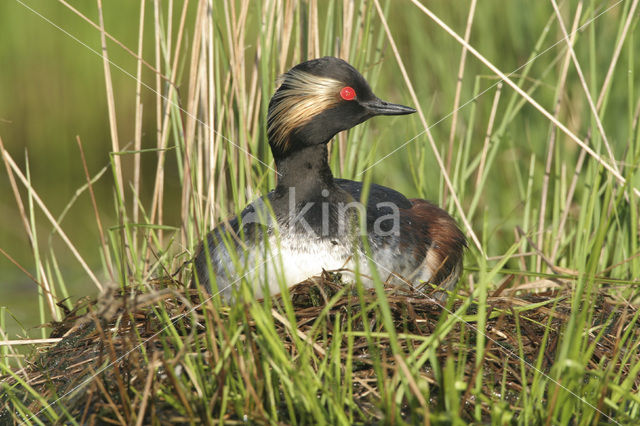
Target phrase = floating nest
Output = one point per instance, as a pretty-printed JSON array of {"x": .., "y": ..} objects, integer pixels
[{"x": 111, "y": 359}]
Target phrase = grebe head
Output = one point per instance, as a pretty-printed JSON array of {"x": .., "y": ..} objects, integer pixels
[{"x": 317, "y": 99}]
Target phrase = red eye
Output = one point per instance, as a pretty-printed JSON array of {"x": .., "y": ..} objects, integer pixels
[{"x": 347, "y": 93}]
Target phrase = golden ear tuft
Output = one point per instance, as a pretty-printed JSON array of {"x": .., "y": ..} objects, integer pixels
[{"x": 305, "y": 96}]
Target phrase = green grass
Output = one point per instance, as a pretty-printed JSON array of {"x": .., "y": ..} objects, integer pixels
[{"x": 544, "y": 326}]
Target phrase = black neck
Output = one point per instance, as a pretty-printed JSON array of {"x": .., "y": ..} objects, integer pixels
[{"x": 306, "y": 169}]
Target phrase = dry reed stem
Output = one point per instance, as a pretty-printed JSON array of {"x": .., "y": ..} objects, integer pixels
[
  {"x": 538, "y": 251},
  {"x": 319, "y": 350},
  {"x": 106, "y": 395},
  {"x": 193, "y": 94},
  {"x": 616, "y": 54},
  {"x": 614, "y": 266},
  {"x": 19, "y": 266},
  {"x": 313, "y": 49},
  {"x": 159, "y": 98},
  {"x": 552, "y": 137},
  {"x": 146, "y": 393},
  {"x": 113, "y": 355},
  {"x": 210, "y": 136},
  {"x": 113, "y": 122},
  {"x": 488, "y": 134},
  {"x": 432, "y": 142},
  {"x": 94, "y": 204},
  {"x": 138, "y": 121},
  {"x": 525, "y": 95},
  {"x": 110, "y": 37},
  {"x": 21, "y": 342},
  {"x": 568, "y": 205},
  {"x": 113, "y": 129},
  {"x": 44, "y": 285},
  {"x": 583, "y": 82},
  {"x": 284, "y": 36},
  {"x": 456, "y": 98},
  {"x": 12, "y": 165},
  {"x": 411, "y": 381},
  {"x": 348, "y": 11},
  {"x": 158, "y": 192},
  {"x": 241, "y": 94},
  {"x": 254, "y": 94}
]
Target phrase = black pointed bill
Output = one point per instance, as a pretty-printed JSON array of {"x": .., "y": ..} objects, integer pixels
[{"x": 380, "y": 107}]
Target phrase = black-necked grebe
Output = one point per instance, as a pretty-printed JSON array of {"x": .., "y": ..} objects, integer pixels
[{"x": 309, "y": 221}]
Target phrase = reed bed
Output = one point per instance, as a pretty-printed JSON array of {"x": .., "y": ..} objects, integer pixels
[{"x": 526, "y": 131}]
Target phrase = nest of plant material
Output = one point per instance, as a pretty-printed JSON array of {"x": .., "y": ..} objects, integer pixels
[{"x": 101, "y": 369}]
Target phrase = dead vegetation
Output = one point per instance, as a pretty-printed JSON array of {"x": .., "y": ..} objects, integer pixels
[{"x": 119, "y": 360}]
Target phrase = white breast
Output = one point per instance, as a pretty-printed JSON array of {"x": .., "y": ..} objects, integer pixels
[
  {"x": 288, "y": 261},
  {"x": 293, "y": 260}
]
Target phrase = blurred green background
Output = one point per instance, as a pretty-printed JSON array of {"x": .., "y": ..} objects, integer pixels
[{"x": 52, "y": 89}]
